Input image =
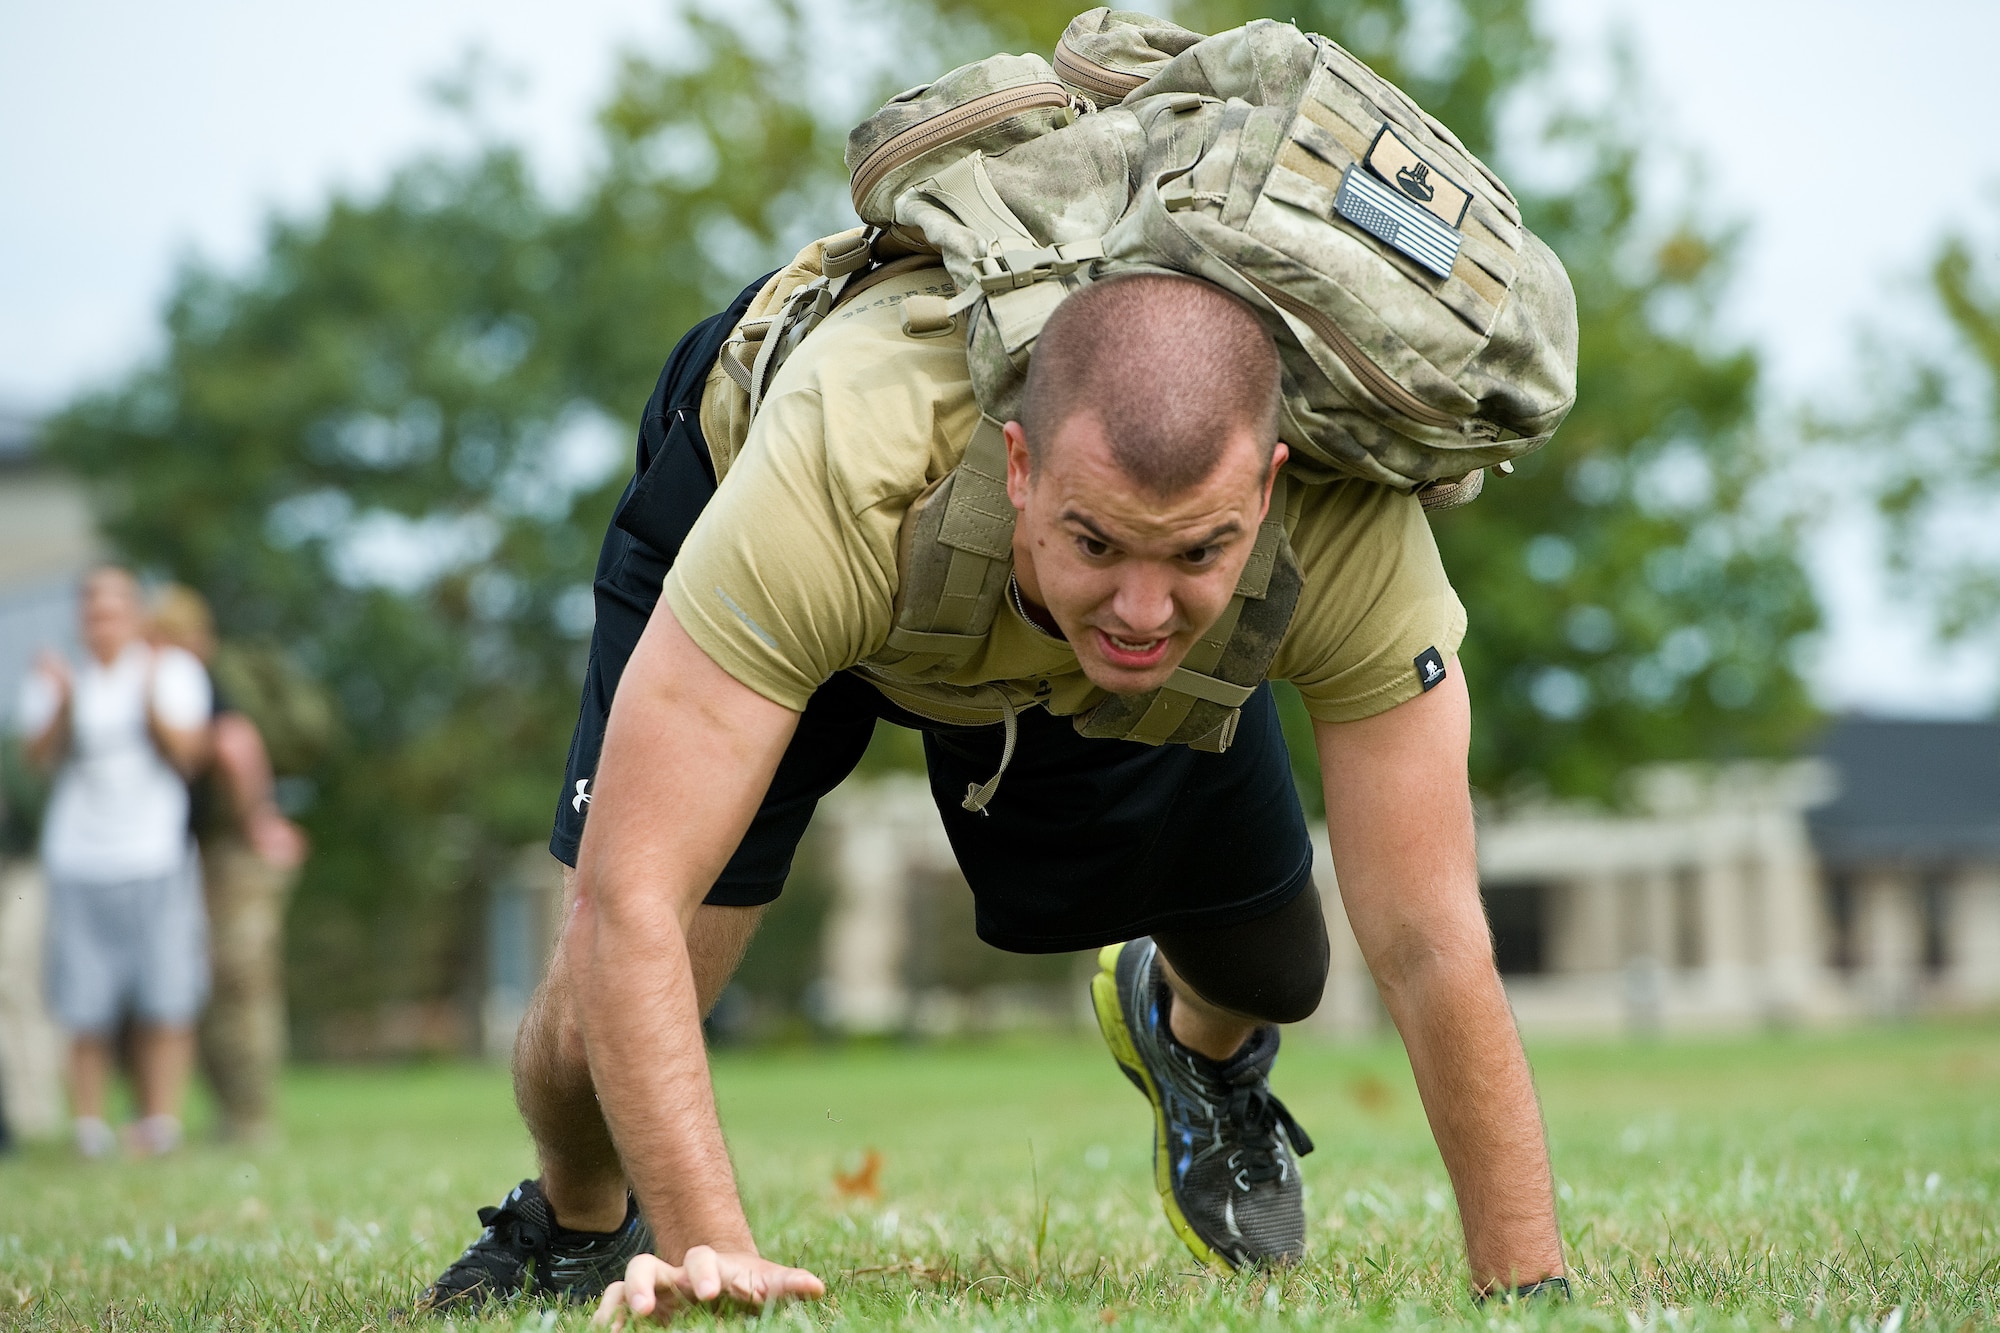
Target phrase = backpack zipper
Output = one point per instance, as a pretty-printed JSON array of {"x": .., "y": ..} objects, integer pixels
[
  {"x": 959, "y": 122},
  {"x": 1092, "y": 77},
  {"x": 1375, "y": 379}
]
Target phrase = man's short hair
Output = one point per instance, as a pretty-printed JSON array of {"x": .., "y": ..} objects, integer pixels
[{"x": 1170, "y": 367}]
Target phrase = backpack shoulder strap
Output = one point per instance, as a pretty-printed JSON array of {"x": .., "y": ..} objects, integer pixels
[{"x": 954, "y": 555}]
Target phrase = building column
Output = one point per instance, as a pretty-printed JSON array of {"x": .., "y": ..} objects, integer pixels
[
  {"x": 1649, "y": 946},
  {"x": 1889, "y": 935},
  {"x": 1584, "y": 930},
  {"x": 1724, "y": 909},
  {"x": 523, "y": 919},
  {"x": 867, "y": 928},
  {"x": 1972, "y": 935},
  {"x": 1794, "y": 960}
]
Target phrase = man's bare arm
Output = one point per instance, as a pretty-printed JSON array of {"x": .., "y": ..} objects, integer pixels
[
  {"x": 688, "y": 754},
  {"x": 1399, "y": 817},
  {"x": 244, "y": 764}
]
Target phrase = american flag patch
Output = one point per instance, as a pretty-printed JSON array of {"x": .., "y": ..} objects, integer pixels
[{"x": 1394, "y": 220}]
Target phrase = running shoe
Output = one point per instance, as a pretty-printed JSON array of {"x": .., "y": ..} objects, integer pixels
[
  {"x": 1224, "y": 1149},
  {"x": 523, "y": 1253}
]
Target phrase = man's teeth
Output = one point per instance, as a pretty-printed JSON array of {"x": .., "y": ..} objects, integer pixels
[{"x": 1131, "y": 645}]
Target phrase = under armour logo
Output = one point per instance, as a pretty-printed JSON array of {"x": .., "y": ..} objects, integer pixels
[
  {"x": 1430, "y": 667},
  {"x": 582, "y": 797}
]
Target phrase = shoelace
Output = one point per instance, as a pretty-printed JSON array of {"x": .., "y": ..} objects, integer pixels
[
  {"x": 1257, "y": 1115},
  {"x": 514, "y": 1228}
]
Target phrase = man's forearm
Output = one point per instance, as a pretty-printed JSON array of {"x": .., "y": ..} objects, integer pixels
[
  {"x": 688, "y": 754},
  {"x": 245, "y": 766},
  {"x": 1399, "y": 814},
  {"x": 1476, "y": 1089},
  {"x": 643, "y": 1029}
]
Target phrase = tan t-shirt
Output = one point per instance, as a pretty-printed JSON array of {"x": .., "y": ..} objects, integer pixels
[{"x": 790, "y": 573}]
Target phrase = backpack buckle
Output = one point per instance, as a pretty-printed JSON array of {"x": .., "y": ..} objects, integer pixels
[
  {"x": 850, "y": 258},
  {"x": 1011, "y": 269}
]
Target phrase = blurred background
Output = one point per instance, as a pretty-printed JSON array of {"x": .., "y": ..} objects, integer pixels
[{"x": 342, "y": 316}]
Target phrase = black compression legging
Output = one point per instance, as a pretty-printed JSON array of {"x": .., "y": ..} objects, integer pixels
[{"x": 1271, "y": 968}]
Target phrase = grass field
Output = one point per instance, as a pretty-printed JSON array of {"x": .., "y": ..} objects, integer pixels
[{"x": 1836, "y": 1181}]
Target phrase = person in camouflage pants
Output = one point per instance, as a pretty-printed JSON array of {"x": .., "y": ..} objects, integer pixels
[{"x": 269, "y": 719}]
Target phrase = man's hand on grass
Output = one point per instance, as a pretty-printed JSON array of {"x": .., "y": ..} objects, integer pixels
[{"x": 654, "y": 1288}]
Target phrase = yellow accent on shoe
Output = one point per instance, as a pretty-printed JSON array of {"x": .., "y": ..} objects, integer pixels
[{"x": 1118, "y": 1036}]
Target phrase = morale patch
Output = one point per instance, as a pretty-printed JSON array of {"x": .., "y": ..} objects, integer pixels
[
  {"x": 1386, "y": 215},
  {"x": 1430, "y": 668},
  {"x": 1421, "y": 183}
]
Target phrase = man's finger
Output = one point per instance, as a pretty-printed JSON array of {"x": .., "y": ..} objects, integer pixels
[
  {"x": 759, "y": 1283},
  {"x": 644, "y": 1277},
  {"x": 744, "y": 1284},
  {"x": 611, "y": 1310},
  {"x": 704, "y": 1273},
  {"x": 781, "y": 1283}
]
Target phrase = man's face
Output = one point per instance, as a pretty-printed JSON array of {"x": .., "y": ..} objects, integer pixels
[
  {"x": 1131, "y": 578},
  {"x": 111, "y": 613}
]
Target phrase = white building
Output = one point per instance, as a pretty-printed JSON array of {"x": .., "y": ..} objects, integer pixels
[
  {"x": 1910, "y": 854},
  {"x": 1863, "y": 882}
]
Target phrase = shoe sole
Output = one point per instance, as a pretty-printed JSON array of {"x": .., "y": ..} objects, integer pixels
[{"x": 1117, "y": 1032}]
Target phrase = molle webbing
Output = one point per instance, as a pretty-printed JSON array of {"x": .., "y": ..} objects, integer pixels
[{"x": 954, "y": 555}]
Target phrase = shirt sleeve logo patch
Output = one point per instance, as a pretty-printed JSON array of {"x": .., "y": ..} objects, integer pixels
[{"x": 1430, "y": 668}]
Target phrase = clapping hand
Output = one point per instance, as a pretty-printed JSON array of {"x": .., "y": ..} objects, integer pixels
[{"x": 57, "y": 673}]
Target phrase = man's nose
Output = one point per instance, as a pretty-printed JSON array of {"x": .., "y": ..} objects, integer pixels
[{"x": 1145, "y": 601}]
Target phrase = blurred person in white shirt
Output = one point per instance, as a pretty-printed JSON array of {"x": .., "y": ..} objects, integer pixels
[{"x": 127, "y": 936}]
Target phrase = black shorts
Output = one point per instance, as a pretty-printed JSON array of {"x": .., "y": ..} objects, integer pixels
[{"x": 1087, "y": 841}]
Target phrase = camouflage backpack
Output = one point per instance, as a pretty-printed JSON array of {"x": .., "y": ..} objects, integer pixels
[{"x": 1425, "y": 334}]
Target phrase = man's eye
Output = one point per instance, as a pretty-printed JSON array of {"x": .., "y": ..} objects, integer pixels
[
  {"x": 1200, "y": 556},
  {"x": 1092, "y": 547}
]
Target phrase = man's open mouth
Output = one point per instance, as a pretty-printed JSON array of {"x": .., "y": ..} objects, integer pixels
[{"x": 1133, "y": 654}]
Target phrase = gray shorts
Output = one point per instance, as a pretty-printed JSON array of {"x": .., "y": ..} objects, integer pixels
[{"x": 137, "y": 946}]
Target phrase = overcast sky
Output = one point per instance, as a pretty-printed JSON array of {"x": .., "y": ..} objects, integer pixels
[{"x": 1849, "y": 134}]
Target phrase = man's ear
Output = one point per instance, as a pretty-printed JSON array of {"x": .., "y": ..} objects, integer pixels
[
  {"x": 1019, "y": 465},
  {"x": 1279, "y": 453}
]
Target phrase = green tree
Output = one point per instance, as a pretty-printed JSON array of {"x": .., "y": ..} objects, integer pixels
[
  {"x": 1636, "y": 591},
  {"x": 393, "y": 443},
  {"x": 1927, "y": 437}
]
